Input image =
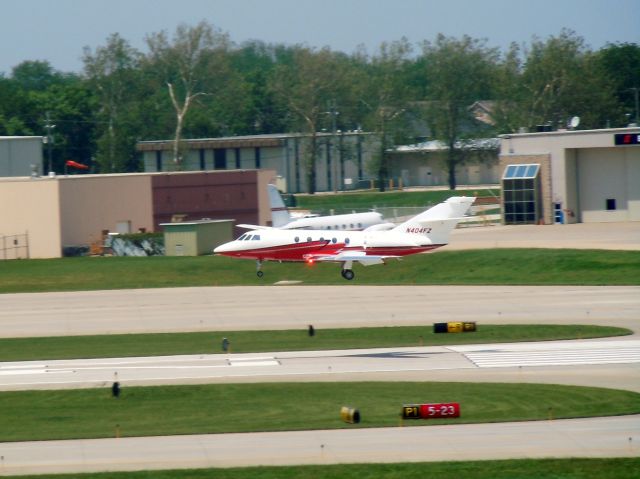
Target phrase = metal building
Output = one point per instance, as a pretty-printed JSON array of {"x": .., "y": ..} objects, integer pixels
[
  {"x": 571, "y": 176},
  {"x": 20, "y": 155}
]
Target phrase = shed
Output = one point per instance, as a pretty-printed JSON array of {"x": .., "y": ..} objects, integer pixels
[{"x": 196, "y": 238}]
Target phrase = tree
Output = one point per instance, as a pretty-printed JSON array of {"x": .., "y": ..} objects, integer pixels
[
  {"x": 563, "y": 80},
  {"x": 385, "y": 96},
  {"x": 459, "y": 72},
  {"x": 185, "y": 64},
  {"x": 308, "y": 84},
  {"x": 112, "y": 73},
  {"x": 621, "y": 64}
]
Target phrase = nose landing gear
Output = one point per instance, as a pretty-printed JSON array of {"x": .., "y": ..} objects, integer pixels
[{"x": 259, "y": 272}]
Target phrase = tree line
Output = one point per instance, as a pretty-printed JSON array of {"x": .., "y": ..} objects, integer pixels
[{"x": 197, "y": 83}]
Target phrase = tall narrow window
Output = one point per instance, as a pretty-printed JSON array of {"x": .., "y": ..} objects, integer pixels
[
  {"x": 220, "y": 159},
  {"x": 521, "y": 194}
]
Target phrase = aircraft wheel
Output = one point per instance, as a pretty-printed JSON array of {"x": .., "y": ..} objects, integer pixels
[
  {"x": 260, "y": 274},
  {"x": 348, "y": 274}
]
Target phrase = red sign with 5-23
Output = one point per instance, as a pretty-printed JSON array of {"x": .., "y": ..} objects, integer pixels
[{"x": 439, "y": 410}]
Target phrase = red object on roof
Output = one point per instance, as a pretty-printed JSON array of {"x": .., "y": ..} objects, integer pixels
[{"x": 75, "y": 164}]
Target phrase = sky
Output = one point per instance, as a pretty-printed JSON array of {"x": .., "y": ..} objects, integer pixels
[{"x": 57, "y": 30}]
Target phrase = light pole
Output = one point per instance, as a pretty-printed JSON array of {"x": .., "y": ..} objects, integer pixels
[{"x": 48, "y": 126}]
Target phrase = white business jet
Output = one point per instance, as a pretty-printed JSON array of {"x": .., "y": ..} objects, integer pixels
[{"x": 424, "y": 232}]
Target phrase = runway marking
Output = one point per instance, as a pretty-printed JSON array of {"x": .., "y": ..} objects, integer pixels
[
  {"x": 583, "y": 353},
  {"x": 264, "y": 361}
]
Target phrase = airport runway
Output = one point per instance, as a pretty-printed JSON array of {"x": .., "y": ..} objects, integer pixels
[
  {"x": 291, "y": 307},
  {"x": 276, "y": 307},
  {"x": 418, "y": 363},
  {"x": 596, "y": 437}
]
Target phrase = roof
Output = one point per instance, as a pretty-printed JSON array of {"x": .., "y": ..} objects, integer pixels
[
  {"x": 195, "y": 222},
  {"x": 437, "y": 145},
  {"x": 248, "y": 141}
]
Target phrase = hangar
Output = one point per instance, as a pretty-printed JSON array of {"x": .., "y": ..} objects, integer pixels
[
  {"x": 585, "y": 176},
  {"x": 42, "y": 216}
]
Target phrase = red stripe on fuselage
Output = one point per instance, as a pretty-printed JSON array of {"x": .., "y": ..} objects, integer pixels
[{"x": 300, "y": 251}]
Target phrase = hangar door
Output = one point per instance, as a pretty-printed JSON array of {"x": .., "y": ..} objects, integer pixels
[{"x": 608, "y": 184}]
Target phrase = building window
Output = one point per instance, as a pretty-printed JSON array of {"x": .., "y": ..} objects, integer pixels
[
  {"x": 158, "y": 160},
  {"x": 257, "y": 158},
  {"x": 203, "y": 166},
  {"x": 237, "y": 158},
  {"x": 611, "y": 204},
  {"x": 220, "y": 159},
  {"x": 521, "y": 192}
]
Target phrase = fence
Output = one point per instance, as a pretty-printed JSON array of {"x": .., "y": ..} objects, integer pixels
[{"x": 14, "y": 246}]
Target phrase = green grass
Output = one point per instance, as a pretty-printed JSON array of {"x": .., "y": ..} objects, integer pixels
[
  {"x": 578, "y": 468},
  {"x": 346, "y": 202},
  {"x": 486, "y": 267},
  {"x": 225, "y": 408},
  {"x": 165, "y": 344}
]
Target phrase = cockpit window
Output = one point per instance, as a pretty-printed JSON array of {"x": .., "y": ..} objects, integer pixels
[
  {"x": 247, "y": 237},
  {"x": 256, "y": 238},
  {"x": 242, "y": 237}
]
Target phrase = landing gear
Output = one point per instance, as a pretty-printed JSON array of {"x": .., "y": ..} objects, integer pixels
[
  {"x": 259, "y": 272},
  {"x": 348, "y": 274}
]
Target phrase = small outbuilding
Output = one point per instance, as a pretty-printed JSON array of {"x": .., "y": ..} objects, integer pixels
[{"x": 195, "y": 238}]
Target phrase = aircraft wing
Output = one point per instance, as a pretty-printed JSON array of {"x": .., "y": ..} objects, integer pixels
[{"x": 351, "y": 256}]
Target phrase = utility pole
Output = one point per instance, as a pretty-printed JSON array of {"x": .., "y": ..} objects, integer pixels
[
  {"x": 48, "y": 126},
  {"x": 334, "y": 113}
]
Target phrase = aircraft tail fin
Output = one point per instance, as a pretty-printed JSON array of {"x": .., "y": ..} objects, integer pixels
[
  {"x": 279, "y": 213},
  {"x": 437, "y": 223},
  {"x": 454, "y": 207}
]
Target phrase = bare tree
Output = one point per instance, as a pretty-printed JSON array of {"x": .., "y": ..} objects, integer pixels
[{"x": 185, "y": 64}]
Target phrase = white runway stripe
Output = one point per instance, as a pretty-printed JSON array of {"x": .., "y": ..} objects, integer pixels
[{"x": 553, "y": 357}]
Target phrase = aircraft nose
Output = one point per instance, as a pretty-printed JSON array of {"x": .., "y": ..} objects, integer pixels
[{"x": 223, "y": 248}]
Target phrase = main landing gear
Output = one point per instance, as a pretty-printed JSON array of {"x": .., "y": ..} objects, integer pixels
[{"x": 348, "y": 274}]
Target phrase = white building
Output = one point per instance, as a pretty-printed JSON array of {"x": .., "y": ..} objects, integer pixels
[{"x": 574, "y": 176}]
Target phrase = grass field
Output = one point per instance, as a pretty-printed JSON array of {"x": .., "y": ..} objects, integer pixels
[
  {"x": 624, "y": 468},
  {"x": 486, "y": 267},
  {"x": 223, "y": 408},
  {"x": 165, "y": 344},
  {"x": 359, "y": 201}
]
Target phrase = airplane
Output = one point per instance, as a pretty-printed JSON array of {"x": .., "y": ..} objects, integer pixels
[
  {"x": 281, "y": 218},
  {"x": 425, "y": 232}
]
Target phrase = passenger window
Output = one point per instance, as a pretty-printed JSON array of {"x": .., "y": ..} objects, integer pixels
[
  {"x": 351, "y": 225},
  {"x": 296, "y": 239},
  {"x": 346, "y": 241},
  {"x": 333, "y": 240},
  {"x": 309, "y": 239}
]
